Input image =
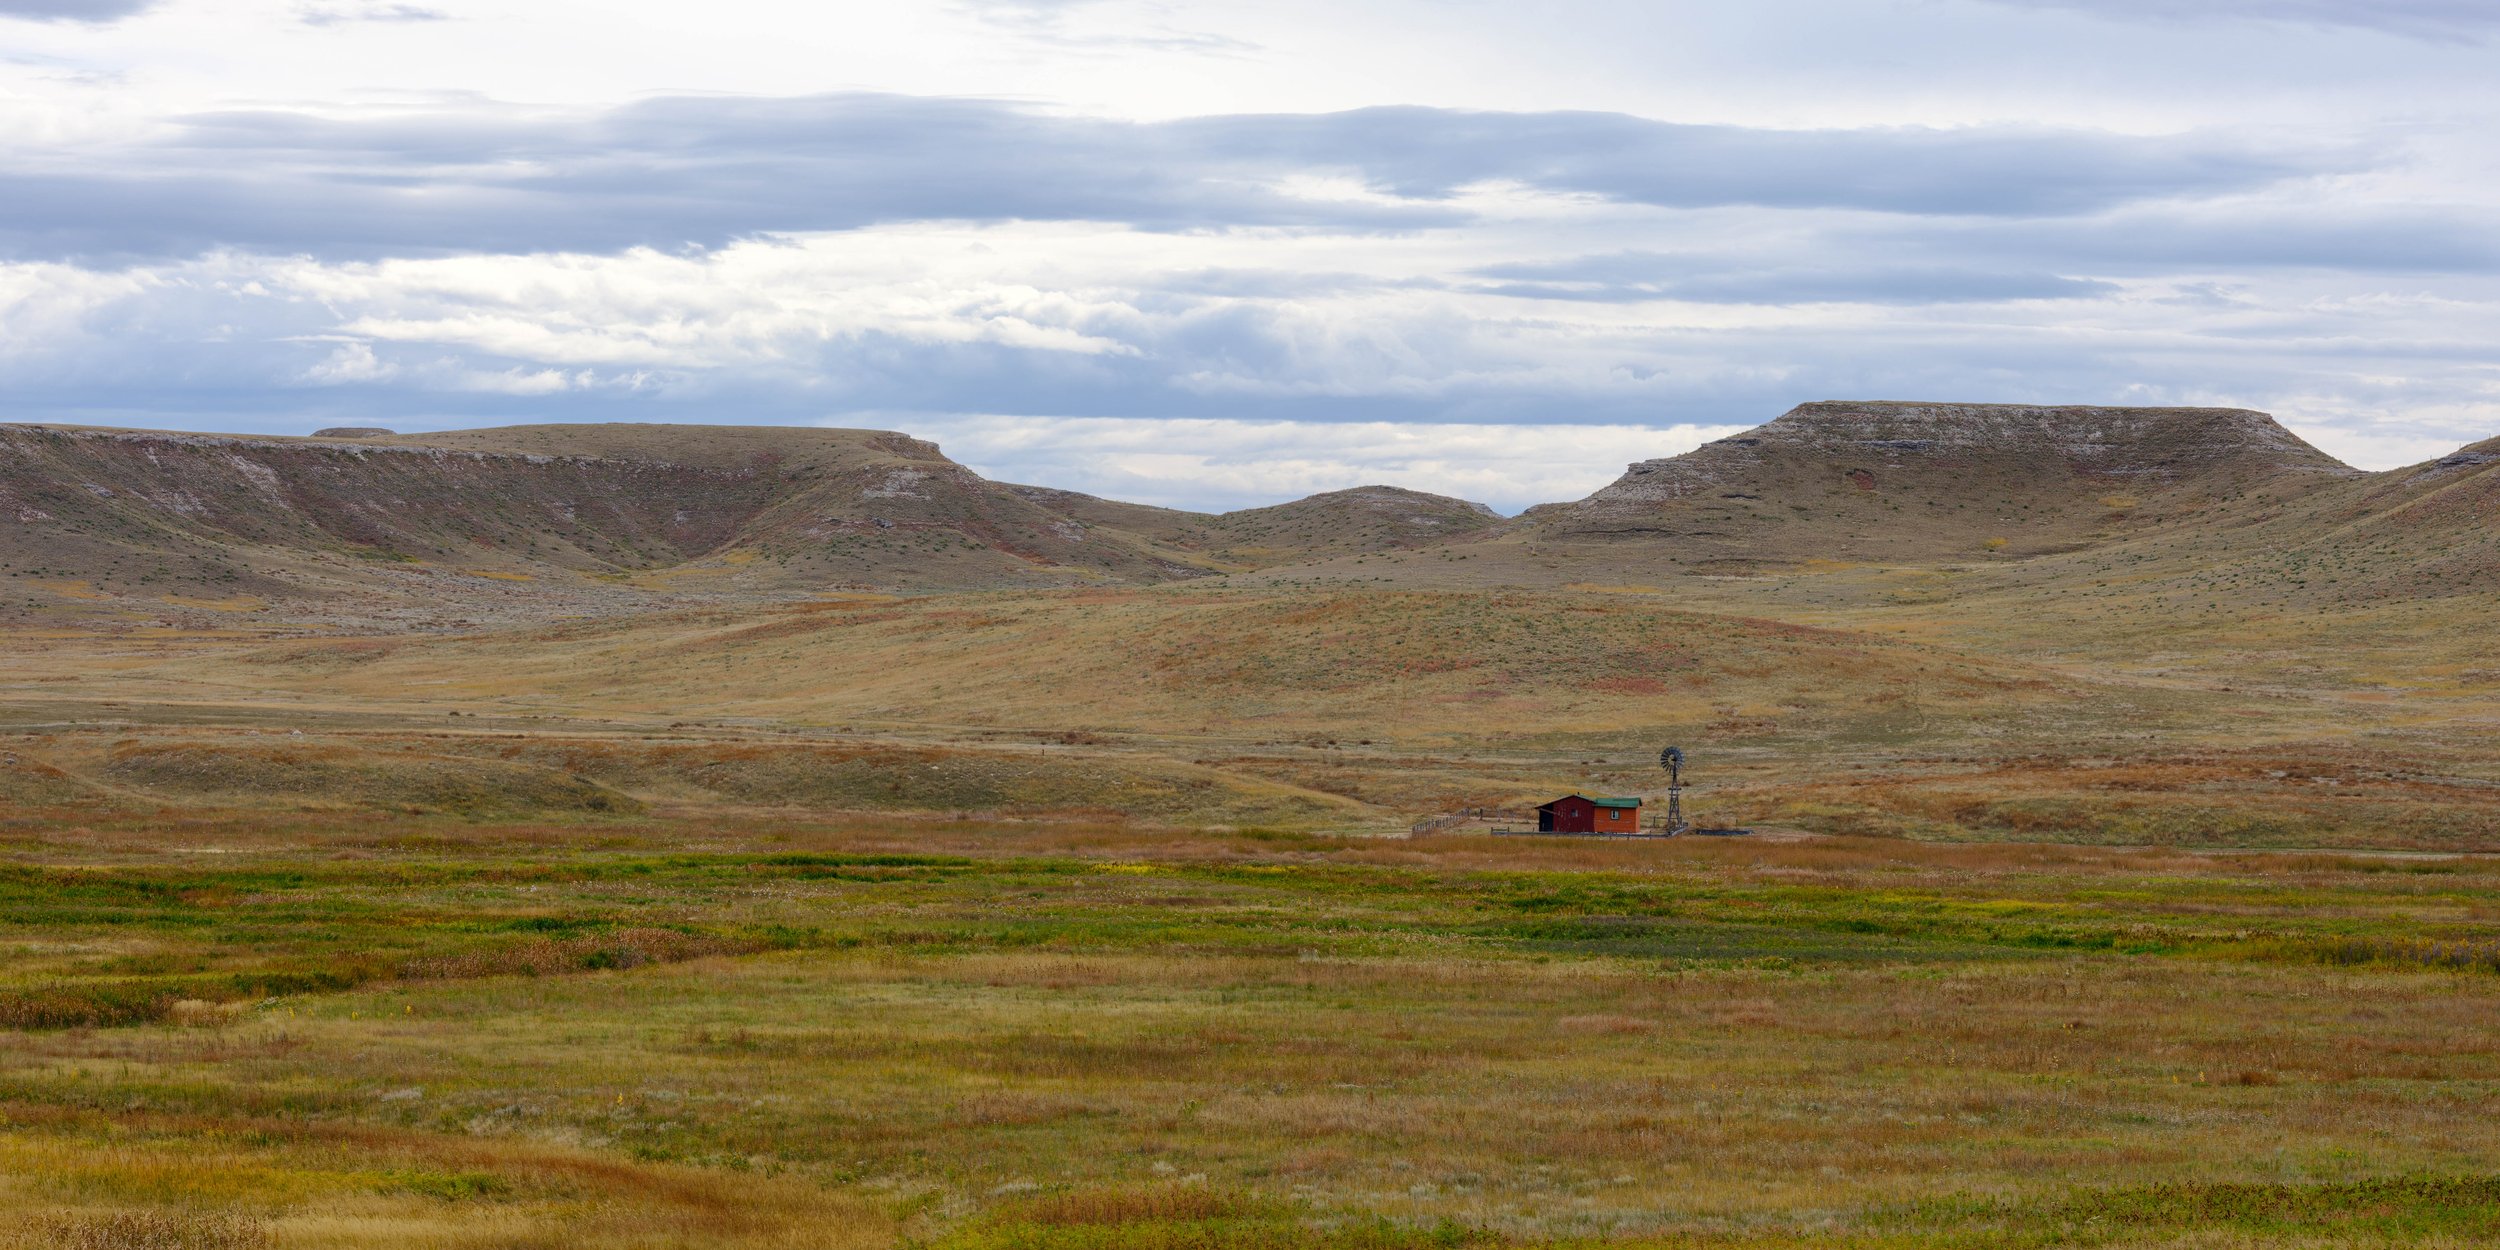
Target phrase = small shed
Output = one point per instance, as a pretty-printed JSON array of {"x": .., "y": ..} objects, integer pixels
[{"x": 1579, "y": 813}]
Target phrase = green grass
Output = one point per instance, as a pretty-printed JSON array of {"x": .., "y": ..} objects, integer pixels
[
  {"x": 981, "y": 1034},
  {"x": 123, "y": 943}
]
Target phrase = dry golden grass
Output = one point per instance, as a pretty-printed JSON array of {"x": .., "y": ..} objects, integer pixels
[
  {"x": 1181, "y": 662},
  {"x": 1343, "y": 710}
]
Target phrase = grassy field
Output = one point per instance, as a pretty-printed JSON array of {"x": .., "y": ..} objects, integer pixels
[
  {"x": 518, "y": 874},
  {"x": 1818, "y": 702},
  {"x": 1086, "y": 920},
  {"x": 306, "y": 1031}
]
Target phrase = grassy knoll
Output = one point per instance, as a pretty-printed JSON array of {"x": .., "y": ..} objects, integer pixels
[{"x": 305, "y": 1030}]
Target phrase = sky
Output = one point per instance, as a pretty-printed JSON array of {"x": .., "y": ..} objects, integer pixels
[{"x": 1220, "y": 254}]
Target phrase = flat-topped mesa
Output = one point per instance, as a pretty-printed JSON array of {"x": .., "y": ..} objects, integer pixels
[
  {"x": 524, "y": 522},
  {"x": 569, "y": 512},
  {"x": 2146, "y": 447},
  {"x": 1916, "y": 481},
  {"x": 2125, "y": 439}
]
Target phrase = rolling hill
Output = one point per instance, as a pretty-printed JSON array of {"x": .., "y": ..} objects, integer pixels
[
  {"x": 2195, "y": 627},
  {"x": 1341, "y": 522},
  {"x": 370, "y": 530},
  {"x": 2067, "y": 493}
]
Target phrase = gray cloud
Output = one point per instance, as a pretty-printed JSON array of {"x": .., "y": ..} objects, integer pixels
[
  {"x": 2427, "y": 240},
  {"x": 234, "y": 342},
  {"x": 2421, "y": 19},
  {"x": 1424, "y": 153},
  {"x": 679, "y": 172},
  {"x": 74, "y": 10},
  {"x": 1630, "y": 277}
]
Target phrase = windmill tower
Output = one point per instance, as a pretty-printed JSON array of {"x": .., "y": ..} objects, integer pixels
[{"x": 1672, "y": 759}]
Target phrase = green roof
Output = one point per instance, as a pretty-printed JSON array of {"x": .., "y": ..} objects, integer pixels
[{"x": 1598, "y": 801}]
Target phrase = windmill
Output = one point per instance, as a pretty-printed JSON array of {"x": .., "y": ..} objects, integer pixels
[{"x": 1672, "y": 759}]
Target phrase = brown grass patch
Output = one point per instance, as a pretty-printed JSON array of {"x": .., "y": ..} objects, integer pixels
[
  {"x": 1139, "y": 1204},
  {"x": 151, "y": 1230},
  {"x": 1614, "y": 1025},
  {"x": 628, "y": 948}
]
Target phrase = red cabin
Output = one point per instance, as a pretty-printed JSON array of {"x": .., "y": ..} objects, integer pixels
[{"x": 1578, "y": 813}]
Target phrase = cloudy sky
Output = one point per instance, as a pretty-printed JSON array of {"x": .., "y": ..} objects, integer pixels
[{"x": 1219, "y": 253}]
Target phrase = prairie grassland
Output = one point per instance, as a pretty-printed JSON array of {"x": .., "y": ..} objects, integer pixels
[
  {"x": 2005, "y": 711},
  {"x": 426, "y": 1031},
  {"x": 1173, "y": 663},
  {"x": 2284, "y": 794}
]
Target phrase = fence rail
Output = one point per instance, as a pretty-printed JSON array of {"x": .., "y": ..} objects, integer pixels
[{"x": 1465, "y": 816}]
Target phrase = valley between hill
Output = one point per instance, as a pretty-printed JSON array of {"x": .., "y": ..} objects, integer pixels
[{"x": 649, "y": 838}]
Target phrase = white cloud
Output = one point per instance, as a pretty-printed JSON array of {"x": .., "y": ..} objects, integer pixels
[
  {"x": 1282, "y": 333},
  {"x": 524, "y": 381},
  {"x": 349, "y": 364}
]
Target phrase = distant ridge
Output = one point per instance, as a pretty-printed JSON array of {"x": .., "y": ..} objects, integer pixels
[
  {"x": 363, "y": 526},
  {"x": 470, "y": 528}
]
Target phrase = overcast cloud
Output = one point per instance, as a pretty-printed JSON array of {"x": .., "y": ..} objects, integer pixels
[
  {"x": 72, "y": 10},
  {"x": 1237, "y": 253},
  {"x": 678, "y": 172},
  {"x": 2434, "y": 19}
]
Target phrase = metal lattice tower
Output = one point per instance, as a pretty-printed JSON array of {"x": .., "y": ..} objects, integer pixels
[{"x": 1672, "y": 759}]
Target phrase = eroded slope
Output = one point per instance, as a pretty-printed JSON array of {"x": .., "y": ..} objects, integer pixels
[{"x": 377, "y": 530}]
